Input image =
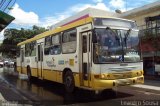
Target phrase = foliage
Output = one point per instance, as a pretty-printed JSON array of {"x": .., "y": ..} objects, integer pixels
[{"x": 13, "y": 36}]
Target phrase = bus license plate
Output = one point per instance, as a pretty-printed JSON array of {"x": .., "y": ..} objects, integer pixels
[{"x": 122, "y": 82}]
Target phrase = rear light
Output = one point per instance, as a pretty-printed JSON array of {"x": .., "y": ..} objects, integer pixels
[
  {"x": 141, "y": 72},
  {"x": 141, "y": 78},
  {"x": 134, "y": 81},
  {"x": 137, "y": 73},
  {"x": 97, "y": 76},
  {"x": 108, "y": 76},
  {"x": 114, "y": 84},
  {"x": 103, "y": 76}
]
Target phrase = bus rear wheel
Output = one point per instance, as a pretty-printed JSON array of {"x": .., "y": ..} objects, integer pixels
[
  {"x": 69, "y": 82},
  {"x": 29, "y": 73}
]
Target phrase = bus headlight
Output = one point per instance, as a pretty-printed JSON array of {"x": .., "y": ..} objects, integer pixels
[
  {"x": 139, "y": 73},
  {"x": 103, "y": 76},
  {"x": 97, "y": 76},
  {"x": 140, "y": 79},
  {"x": 108, "y": 76}
]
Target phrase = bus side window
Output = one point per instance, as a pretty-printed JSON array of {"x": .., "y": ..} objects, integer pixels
[
  {"x": 56, "y": 45},
  {"x": 27, "y": 49},
  {"x": 69, "y": 43},
  {"x": 33, "y": 48},
  {"x": 47, "y": 45},
  {"x": 56, "y": 49}
]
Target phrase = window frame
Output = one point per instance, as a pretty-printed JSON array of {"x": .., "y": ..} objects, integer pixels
[
  {"x": 62, "y": 42},
  {"x": 46, "y": 46},
  {"x": 27, "y": 50},
  {"x": 73, "y": 29},
  {"x": 34, "y": 48},
  {"x": 56, "y": 44}
]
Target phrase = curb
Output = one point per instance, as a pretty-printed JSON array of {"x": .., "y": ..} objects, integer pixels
[
  {"x": 2, "y": 98},
  {"x": 147, "y": 87}
]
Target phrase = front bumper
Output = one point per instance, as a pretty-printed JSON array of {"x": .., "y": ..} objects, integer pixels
[{"x": 101, "y": 84}]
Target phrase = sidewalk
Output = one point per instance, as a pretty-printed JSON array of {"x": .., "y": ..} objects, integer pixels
[
  {"x": 1, "y": 97},
  {"x": 10, "y": 96},
  {"x": 149, "y": 84},
  {"x": 148, "y": 87}
]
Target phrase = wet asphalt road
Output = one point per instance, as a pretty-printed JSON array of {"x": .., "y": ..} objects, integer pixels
[{"x": 48, "y": 93}]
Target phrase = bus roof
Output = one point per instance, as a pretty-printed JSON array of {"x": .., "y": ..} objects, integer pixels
[
  {"x": 58, "y": 29},
  {"x": 92, "y": 12},
  {"x": 80, "y": 18}
]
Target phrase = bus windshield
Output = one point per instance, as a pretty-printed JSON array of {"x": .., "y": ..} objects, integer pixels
[{"x": 116, "y": 45}]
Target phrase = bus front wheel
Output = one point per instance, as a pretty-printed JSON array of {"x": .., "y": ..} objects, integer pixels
[{"x": 69, "y": 82}]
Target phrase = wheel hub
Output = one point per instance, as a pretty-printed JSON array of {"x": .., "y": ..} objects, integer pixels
[{"x": 68, "y": 81}]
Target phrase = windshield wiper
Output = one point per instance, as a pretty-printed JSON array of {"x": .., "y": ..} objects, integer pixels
[
  {"x": 122, "y": 40},
  {"x": 128, "y": 32},
  {"x": 108, "y": 28},
  {"x": 126, "y": 37},
  {"x": 121, "y": 58}
]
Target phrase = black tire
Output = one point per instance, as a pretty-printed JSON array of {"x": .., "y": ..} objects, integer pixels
[
  {"x": 69, "y": 82},
  {"x": 109, "y": 93},
  {"x": 29, "y": 73}
]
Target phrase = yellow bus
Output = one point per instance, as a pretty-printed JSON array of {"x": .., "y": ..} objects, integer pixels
[{"x": 89, "y": 52}]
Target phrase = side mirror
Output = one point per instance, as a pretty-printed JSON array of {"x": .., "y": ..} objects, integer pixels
[{"x": 94, "y": 36}]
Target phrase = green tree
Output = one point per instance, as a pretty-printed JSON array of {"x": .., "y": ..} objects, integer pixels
[{"x": 13, "y": 36}]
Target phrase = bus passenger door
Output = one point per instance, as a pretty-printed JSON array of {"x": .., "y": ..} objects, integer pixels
[
  {"x": 85, "y": 59},
  {"x": 40, "y": 60},
  {"x": 22, "y": 60}
]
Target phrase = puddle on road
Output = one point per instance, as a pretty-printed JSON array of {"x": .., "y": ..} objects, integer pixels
[{"x": 48, "y": 92}]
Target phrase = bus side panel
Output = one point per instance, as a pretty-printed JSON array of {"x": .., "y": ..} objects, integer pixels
[
  {"x": 69, "y": 61},
  {"x": 24, "y": 70},
  {"x": 26, "y": 63},
  {"x": 18, "y": 69},
  {"x": 33, "y": 66},
  {"x": 22, "y": 59},
  {"x": 18, "y": 65},
  {"x": 49, "y": 75},
  {"x": 34, "y": 72},
  {"x": 49, "y": 72},
  {"x": 55, "y": 64},
  {"x": 52, "y": 70},
  {"x": 77, "y": 79},
  {"x": 59, "y": 77},
  {"x": 30, "y": 62}
]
